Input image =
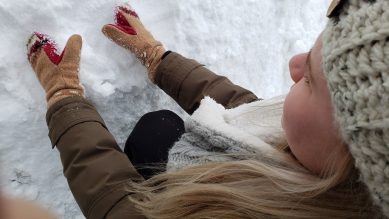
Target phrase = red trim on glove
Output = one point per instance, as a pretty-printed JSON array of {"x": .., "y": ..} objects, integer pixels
[
  {"x": 128, "y": 11},
  {"x": 122, "y": 23},
  {"x": 125, "y": 29},
  {"x": 48, "y": 46}
]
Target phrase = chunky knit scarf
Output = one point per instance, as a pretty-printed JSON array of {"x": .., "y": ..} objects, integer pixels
[{"x": 216, "y": 134}]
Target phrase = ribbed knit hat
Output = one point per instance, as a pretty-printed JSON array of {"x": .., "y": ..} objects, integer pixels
[{"x": 356, "y": 64}]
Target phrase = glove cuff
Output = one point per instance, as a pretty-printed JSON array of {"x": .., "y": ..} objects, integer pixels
[
  {"x": 64, "y": 93},
  {"x": 154, "y": 60}
]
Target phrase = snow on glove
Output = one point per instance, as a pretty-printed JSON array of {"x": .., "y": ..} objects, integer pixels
[
  {"x": 129, "y": 32},
  {"x": 57, "y": 73}
]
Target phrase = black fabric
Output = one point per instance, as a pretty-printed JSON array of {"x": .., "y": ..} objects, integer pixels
[
  {"x": 148, "y": 145},
  {"x": 166, "y": 54}
]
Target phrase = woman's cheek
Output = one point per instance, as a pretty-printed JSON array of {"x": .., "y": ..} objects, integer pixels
[
  {"x": 289, "y": 122},
  {"x": 293, "y": 109},
  {"x": 296, "y": 115}
]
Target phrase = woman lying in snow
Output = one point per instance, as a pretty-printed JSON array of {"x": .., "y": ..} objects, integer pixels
[{"x": 330, "y": 159}]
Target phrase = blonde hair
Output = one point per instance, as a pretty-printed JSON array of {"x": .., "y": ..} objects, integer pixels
[{"x": 260, "y": 188}]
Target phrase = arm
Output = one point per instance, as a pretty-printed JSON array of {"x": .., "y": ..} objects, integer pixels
[
  {"x": 97, "y": 171},
  {"x": 185, "y": 80},
  {"x": 188, "y": 82}
]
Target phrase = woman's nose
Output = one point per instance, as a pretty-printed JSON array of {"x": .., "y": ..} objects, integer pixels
[{"x": 297, "y": 66}]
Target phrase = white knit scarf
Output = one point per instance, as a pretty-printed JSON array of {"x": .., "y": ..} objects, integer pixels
[{"x": 216, "y": 134}]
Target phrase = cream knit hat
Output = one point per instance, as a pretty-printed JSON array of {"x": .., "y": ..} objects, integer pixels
[{"x": 356, "y": 63}]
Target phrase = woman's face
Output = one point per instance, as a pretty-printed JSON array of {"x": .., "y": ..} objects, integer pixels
[{"x": 308, "y": 119}]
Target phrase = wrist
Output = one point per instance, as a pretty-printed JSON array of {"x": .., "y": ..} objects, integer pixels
[
  {"x": 154, "y": 61},
  {"x": 64, "y": 93}
]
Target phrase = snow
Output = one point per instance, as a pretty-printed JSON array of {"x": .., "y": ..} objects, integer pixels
[{"x": 248, "y": 41}]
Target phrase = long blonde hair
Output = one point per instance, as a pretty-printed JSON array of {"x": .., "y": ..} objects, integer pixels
[{"x": 255, "y": 188}]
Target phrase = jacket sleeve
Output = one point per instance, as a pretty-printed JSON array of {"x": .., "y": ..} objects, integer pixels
[
  {"x": 97, "y": 171},
  {"x": 188, "y": 82}
]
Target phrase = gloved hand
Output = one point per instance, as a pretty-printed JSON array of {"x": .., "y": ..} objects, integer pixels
[
  {"x": 129, "y": 32},
  {"x": 58, "y": 74}
]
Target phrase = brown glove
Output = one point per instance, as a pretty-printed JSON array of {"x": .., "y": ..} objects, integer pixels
[
  {"x": 129, "y": 32},
  {"x": 58, "y": 74}
]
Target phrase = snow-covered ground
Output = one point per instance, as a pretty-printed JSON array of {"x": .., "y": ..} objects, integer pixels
[{"x": 249, "y": 41}]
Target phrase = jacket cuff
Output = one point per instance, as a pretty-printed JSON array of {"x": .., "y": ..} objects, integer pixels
[
  {"x": 172, "y": 72},
  {"x": 67, "y": 113},
  {"x": 113, "y": 195}
]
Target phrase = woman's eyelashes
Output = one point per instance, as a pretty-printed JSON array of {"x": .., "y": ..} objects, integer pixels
[
  {"x": 307, "y": 79},
  {"x": 307, "y": 72}
]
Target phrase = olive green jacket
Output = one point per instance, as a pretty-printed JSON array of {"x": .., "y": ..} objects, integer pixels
[{"x": 98, "y": 172}]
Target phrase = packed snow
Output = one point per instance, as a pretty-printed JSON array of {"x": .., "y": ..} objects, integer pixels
[{"x": 249, "y": 41}]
